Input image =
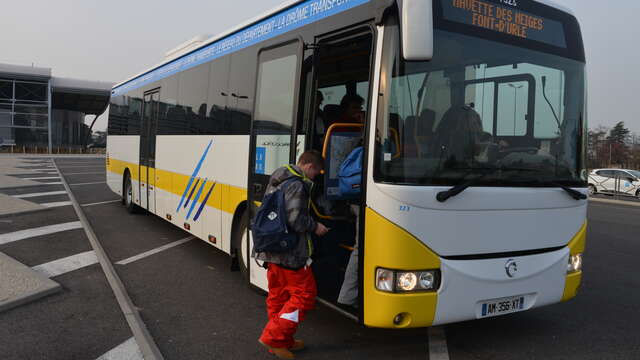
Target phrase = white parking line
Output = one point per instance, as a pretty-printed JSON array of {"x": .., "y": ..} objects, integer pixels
[
  {"x": 68, "y": 264},
  {"x": 91, "y": 183},
  {"x": 89, "y": 173},
  {"x": 43, "y": 178},
  {"x": 128, "y": 350},
  {"x": 65, "y": 167},
  {"x": 438, "y": 344},
  {"x": 154, "y": 251},
  {"x": 24, "y": 196},
  {"x": 49, "y": 183},
  {"x": 102, "y": 203},
  {"x": 44, "y": 230},
  {"x": 56, "y": 204}
]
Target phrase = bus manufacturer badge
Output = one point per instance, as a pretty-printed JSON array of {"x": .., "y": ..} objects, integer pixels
[{"x": 511, "y": 267}]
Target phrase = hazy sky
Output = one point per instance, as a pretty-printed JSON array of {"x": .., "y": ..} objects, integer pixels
[{"x": 113, "y": 40}]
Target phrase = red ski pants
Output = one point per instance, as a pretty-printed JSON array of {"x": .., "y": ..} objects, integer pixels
[{"x": 291, "y": 294}]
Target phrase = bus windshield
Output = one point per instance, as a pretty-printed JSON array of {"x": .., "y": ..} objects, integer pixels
[{"x": 506, "y": 115}]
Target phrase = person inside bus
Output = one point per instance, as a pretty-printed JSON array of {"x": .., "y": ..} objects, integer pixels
[
  {"x": 292, "y": 286},
  {"x": 351, "y": 108},
  {"x": 319, "y": 127}
]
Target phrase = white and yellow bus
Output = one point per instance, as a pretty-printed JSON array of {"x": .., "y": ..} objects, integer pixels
[{"x": 473, "y": 125}]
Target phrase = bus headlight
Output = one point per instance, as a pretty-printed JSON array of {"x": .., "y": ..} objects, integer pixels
[
  {"x": 406, "y": 281},
  {"x": 575, "y": 263}
]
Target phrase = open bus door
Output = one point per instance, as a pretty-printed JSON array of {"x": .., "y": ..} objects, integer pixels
[{"x": 272, "y": 132}]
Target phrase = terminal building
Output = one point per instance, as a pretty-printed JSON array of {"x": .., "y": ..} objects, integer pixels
[{"x": 43, "y": 113}]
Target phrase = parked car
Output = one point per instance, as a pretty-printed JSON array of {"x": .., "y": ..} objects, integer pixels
[{"x": 615, "y": 181}]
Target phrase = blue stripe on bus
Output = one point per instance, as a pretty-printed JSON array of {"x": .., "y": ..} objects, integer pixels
[
  {"x": 195, "y": 200},
  {"x": 204, "y": 203},
  {"x": 193, "y": 176},
  {"x": 193, "y": 189},
  {"x": 287, "y": 20}
]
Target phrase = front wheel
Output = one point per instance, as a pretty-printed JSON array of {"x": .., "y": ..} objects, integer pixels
[
  {"x": 241, "y": 245},
  {"x": 592, "y": 190}
]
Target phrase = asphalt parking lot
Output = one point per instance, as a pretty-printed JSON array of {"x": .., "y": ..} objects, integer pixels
[{"x": 195, "y": 308}]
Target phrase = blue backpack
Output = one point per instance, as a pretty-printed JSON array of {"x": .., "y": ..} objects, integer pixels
[
  {"x": 270, "y": 231},
  {"x": 350, "y": 174}
]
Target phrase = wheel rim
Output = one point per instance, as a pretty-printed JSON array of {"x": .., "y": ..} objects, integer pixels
[
  {"x": 129, "y": 193},
  {"x": 592, "y": 190},
  {"x": 244, "y": 244}
]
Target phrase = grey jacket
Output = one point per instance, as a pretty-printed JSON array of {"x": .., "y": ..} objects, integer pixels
[{"x": 299, "y": 219}]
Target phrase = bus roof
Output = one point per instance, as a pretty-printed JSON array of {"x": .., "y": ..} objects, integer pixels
[
  {"x": 283, "y": 6},
  {"x": 222, "y": 35}
]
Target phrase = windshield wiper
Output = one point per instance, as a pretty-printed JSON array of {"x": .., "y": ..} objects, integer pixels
[
  {"x": 456, "y": 190},
  {"x": 577, "y": 195},
  {"x": 573, "y": 193},
  {"x": 443, "y": 196}
]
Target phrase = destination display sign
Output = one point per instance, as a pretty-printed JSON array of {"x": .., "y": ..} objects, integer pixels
[{"x": 504, "y": 16}]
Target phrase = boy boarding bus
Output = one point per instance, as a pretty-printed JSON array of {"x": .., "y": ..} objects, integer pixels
[{"x": 473, "y": 126}]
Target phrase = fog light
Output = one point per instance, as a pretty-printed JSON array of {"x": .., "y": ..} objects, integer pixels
[
  {"x": 397, "y": 320},
  {"x": 384, "y": 280},
  {"x": 575, "y": 263},
  {"x": 407, "y": 281}
]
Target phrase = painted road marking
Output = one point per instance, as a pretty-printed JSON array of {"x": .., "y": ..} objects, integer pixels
[
  {"x": 49, "y": 183},
  {"x": 128, "y": 350},
  {"x": 154, "y": 251},
  {"x": 147, "y": 345},
  {"x": 56, "y": 204},
  {"x": 43, "y": 178},
  {"x": 92, "y": 183},
  {"x": 24, "y": 196},
  {"x": 438, "y": 344},
  {"x": 65, "y": 167},
  {"x": 68, "y": 264},
  {"x": 102, "y": 203},
  {"x": 89, "y": 173},
  {"x": 44, "y": 230}
]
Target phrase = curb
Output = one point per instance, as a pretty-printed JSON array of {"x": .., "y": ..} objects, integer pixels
[
  {"x": 616, "y": 202},
  {"x": 29, "y": 297}
]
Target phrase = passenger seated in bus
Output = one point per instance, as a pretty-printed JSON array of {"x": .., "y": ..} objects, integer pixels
[{"x": 351, "y": 107}]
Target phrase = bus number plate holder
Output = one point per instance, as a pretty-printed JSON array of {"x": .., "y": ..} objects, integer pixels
[{"x": 497, "y": 307}]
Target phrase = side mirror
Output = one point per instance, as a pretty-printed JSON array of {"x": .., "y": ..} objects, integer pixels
[{"x": 417, "y": 29}]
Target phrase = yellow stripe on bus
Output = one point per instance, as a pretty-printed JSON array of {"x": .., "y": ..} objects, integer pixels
[
  {"x": 224, "y": 197},
  {"x": 389, "y": 246}
]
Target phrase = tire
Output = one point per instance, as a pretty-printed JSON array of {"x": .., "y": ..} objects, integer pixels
[
  {"x": 240, "y": 243},
  {"x": 127, "y": 196},
  {"x": 592, "y": 190}
]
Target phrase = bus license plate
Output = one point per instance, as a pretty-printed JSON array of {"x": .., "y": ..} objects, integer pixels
[{"x": 502, "y": 306}]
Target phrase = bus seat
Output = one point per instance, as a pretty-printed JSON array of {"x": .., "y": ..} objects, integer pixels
[{"x": 331, "y": 114}]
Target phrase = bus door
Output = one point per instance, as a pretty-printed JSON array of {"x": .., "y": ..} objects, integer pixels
[
  {"x": 148, "y": 150},
  {"x": 272, "y": 130},
  {"x": 339, "y": 108}
]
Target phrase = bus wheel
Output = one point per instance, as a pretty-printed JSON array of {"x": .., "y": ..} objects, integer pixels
[
  {"x": 241, "y": 244},
  {"x": 127, "y": 196},
  {"x": 592, "y": 190}
]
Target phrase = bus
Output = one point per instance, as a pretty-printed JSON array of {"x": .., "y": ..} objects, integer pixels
[{"x": 473, "y": 123}]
